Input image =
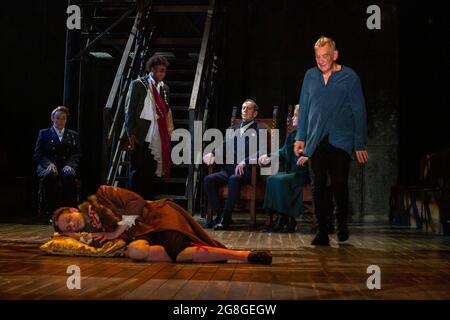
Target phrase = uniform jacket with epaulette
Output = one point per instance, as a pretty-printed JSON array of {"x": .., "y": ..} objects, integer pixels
[{"x": 61, "y": 153}]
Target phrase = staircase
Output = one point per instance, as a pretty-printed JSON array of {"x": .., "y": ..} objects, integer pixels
[{"x": 179, "y": 31}]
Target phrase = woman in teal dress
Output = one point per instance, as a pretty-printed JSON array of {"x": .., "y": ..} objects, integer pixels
[{"x": 284, "y": 190}]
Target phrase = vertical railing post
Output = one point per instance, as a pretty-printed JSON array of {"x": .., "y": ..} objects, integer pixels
[
  {"x": 195, "y": 103},
  {"x": 190, "y": 182},
  {"x": 67, "y": 63}
]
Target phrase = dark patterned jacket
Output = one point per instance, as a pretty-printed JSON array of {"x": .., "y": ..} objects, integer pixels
[{"x": 134, "y": 104}]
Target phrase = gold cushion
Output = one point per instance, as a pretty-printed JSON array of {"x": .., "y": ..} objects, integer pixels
[{"x": 67, "y": 246}]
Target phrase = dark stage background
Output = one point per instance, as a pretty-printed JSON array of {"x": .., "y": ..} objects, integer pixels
[{"x": 266, "y": 49}]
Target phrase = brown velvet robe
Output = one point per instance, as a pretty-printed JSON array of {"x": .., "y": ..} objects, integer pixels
[{"x": 155, "y": 216}]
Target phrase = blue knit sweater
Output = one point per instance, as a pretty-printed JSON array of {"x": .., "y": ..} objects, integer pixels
[{"x": 336, "y": 109}]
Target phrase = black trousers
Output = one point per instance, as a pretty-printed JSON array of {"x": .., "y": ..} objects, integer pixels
[
  {"x": 328, "y": 198},
  {"x": 59, "y": 190},
  {"x": 143, "y": 167},
  {"x": 214, "y": 181},
  {"x": 335, "y": 162}
]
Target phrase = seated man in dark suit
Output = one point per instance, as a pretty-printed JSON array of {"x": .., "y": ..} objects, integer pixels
[
  {"x": 235, "y": 173},
  {"x": 57, "y": 155}
]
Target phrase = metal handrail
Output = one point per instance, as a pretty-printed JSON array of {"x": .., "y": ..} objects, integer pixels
[
  {"x": 201, "y": 58},
  {"x": 198, "y": 109},
  {"x": 138, "y": 41},
  {"x": 132, "y": 40}
]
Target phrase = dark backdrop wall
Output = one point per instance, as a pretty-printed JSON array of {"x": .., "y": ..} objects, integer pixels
[
  {"x": 32, "y": 55},
  {"x": 268, "y": 48},
  {"x": 424, "y": 67}
]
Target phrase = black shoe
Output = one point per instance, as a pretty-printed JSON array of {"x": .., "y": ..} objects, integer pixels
[
  {"x": 273, "y": 224},
  {"x": 259, "y": 257},
  {"x": 211, "y": 223},
  {"x": 223, "y": 224},
  {"x": 321, "y": 239},
  {"x": 343, "y": 233},
  {"x": 219, "y": 227},
  {"x": 291, "y": 226},
  {"x": 208, "y": 224},
  {"x": 280, "y": 223}
]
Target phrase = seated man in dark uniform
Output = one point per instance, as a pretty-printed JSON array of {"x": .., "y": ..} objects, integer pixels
[
  {"x": 57, "y": 155},
  {"x": 234, "y": 173}
]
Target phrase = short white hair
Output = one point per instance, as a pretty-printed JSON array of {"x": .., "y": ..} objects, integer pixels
[{"x": 323, "y": 41}]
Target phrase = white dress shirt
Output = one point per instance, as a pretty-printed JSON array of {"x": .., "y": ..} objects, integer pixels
[
  {"x": 244, "y": 128},
  {"x": 60, "y": 133}
]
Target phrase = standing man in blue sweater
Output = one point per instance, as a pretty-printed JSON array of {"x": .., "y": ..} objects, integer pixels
[{"x": 332, "y": 127}]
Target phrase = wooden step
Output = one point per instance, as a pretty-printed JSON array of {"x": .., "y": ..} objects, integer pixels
[
  {"x": 181, "y": 121},
  {"x": 174, "y": 44},
  {"x": 177, "y": 62},
  {"x": 105, "y": 19},
  {"x": 179, "y": 9},
  {"x": 184, "y": 72},
  {"x": 177, "y": 42},
  {"x": 174, "y": 59},
  {"x": 180, "y": 96},
  {"x": 174, "y": 180},
  {"x": 171, "y": 197},
  {"x": 180, "y": 75},
  {"x": 178, "y": 51},
  {"x": 179, "y": 108},
  {"x": 184, "y": 84},
  {"x": 106, "y": 6}
]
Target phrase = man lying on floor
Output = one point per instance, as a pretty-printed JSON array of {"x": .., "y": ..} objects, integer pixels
[{"x": 156, "y": 231}]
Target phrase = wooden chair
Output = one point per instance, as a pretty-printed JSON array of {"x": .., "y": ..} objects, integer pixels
[
  {"x": 255, "y": 191},
  {"x": 307, "y": 189},
  {"x": 403, "y": 198},
  {"x": 438, "y": 175}
]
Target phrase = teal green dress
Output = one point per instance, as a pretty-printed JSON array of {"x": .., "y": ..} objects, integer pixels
[{"x": 284, "y": 191}]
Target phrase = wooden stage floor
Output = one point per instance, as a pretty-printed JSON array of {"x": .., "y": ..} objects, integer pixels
[{"x": 413, "y": 266}]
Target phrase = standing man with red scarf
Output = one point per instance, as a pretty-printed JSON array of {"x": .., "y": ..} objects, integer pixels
[{"x": 148, "y": 121}]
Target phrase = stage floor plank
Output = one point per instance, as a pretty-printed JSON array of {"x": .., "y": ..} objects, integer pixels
[{"x": 413, "y": 266}]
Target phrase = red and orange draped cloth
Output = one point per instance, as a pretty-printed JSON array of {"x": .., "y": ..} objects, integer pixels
[
  {"x": 154, "y": 216},
  {"x": 162, "y": 112}
]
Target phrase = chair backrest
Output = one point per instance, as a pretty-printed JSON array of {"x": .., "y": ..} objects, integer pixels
[
  {"x": 435, "y": 169},
  {"x": 263, "y": 123},
  {"x": 289, "y": 118}
]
